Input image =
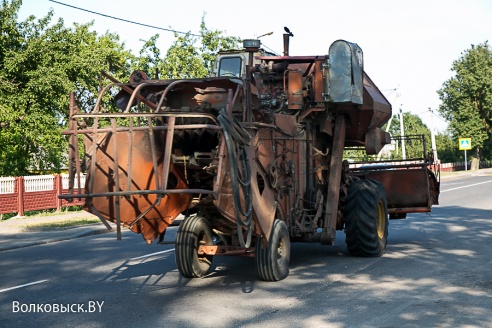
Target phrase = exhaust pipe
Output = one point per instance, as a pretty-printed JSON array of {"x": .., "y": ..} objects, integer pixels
[{"x": 286, "y": 40}]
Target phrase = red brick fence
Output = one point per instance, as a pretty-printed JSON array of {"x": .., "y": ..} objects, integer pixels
[
  {"x": 39, "y": 192},
  {"x": 460, "y": 166}
]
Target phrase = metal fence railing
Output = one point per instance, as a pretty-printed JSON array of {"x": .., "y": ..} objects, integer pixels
[
  {"x": 39, "y": 183},
  {"x": 7, "y": 185}
]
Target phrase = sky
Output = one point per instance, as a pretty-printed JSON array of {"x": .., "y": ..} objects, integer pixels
[{"x": 409, "y": 45}]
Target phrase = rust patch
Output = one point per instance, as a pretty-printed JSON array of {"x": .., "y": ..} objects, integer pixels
[{"x": 139, "y": 175}]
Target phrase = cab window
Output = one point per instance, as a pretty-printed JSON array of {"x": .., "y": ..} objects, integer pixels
[{"x": 230, "y": 66}]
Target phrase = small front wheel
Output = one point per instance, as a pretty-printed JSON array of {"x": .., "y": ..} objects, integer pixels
[
  {"x": 193, "y": 232},
  {"x": 272, "y": 262}
]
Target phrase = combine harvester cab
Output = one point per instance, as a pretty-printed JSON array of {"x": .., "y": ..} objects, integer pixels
[{"x": 251, "y": 157}]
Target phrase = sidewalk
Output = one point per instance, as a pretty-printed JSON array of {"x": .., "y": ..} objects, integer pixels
[
  {"x": 24, "y": 232},
  {"x": 37, "y": 230},
  {"x": 458, "y": 174}
]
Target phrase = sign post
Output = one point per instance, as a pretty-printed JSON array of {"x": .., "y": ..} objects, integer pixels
[{"x": 464, "y": 144}]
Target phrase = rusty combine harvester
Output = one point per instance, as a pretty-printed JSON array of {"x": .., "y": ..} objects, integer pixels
[{"x": 252, "y": 157}]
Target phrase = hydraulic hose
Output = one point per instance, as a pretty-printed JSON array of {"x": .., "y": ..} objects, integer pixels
[{"x": 236, "y": 138}]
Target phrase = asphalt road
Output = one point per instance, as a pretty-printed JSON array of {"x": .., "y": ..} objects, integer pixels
[{"x": 436, "y": 273}]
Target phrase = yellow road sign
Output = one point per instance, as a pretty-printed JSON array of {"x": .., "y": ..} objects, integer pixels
[{"x": 464, "y": 143}]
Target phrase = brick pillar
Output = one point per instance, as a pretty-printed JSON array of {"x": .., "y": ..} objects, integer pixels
[
  {"x": 20, "y": 196},
  {"x": 58, "y": 188}
]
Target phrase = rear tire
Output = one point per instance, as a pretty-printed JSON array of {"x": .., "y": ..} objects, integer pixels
[
  {"x": 193, "y": 232},
  {"x": 366, "y": 219},
  {"x": 272, "y": 262}
]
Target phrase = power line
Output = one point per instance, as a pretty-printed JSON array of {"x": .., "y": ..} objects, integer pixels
[
  {"x": 431, "y": 111},
  {"x": 392, "y": 90},
  {"x": 137, "y": 23},
  {"x": 438, "y": 116},
  {"x": 121, "y": 19},
  {"x": 269, "y": 49}
]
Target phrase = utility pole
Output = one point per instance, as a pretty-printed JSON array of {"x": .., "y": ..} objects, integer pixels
[
  {"x": 433, "y": 137},
  {"x": 403, "y": 152}
]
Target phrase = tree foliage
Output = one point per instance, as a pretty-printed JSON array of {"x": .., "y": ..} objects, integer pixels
[
  {"x": 413, "y": 126},
  {"x": 41, "y": 62},
  {"x": 467, "y": 96},
  {"x": 447, "y": 148},
  {"x": 190, "y": 56}
]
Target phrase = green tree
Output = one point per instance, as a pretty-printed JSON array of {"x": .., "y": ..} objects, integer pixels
[
  {"x": 413, "y": 126},
  {"x": 447, "y": 148},
  {"x": 193, "y": 56},
  {"x": 190, "y": 56},
  {"x": 150, "y": 59},
  {"x": 467, "y": 96},
  {"x": 40, "y": 64}
]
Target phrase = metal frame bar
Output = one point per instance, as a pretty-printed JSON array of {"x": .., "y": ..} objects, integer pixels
[
  {"x": 333, "y": 193},
  {"x": 167, "y": 152},
  {"x": 142, "y": 192},
  {"x": 116, "y": 179}
]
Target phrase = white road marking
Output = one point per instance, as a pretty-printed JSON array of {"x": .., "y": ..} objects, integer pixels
[
  {"x": 152, "y": 254},
  {"x": 25, "y": 285},
  {"x": 472, "y": 185}
]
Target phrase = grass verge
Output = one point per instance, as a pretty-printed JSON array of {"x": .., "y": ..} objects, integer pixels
[
  {"x": 47, "y": 212},
  {"x": 64, "y": 223}
]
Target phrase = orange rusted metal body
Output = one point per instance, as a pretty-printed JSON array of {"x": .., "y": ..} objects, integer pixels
[{"x": 133, "y": 175}]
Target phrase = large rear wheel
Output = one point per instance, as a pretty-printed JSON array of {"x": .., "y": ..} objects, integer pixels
[
  {"x": 366, "y": 218},
  {"x": 193, "y": 232},
  {"x": 272, "y": 261}
]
